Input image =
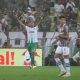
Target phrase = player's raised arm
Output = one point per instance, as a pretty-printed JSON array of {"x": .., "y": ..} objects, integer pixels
[{"x": 20, "y": 22}]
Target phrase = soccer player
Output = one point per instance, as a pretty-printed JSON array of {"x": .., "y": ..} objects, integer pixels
[
  {"x": 63, "y": 49},
  {"x": 32, "y": 37}
]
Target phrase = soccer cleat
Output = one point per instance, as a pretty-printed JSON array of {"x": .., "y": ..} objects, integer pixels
[
  {"x": 66, "y": 75},
  {"x": 62, "y": 73},
  {"x": 34, "y": 67}
]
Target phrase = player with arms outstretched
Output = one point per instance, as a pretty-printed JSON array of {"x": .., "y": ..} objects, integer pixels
[{"x": 32, "y": 38}]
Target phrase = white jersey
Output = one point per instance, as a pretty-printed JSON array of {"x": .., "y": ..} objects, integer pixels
[
  {"x": 58, "y": 9},
  {"x": 61, "y": 29},
  {"x": 72, "y": 5},
  {"x": 32, "y": 34},
  {"x": 75, "y": 57}
]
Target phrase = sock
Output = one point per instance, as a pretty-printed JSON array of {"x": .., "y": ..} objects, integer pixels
[
  {"x": 32, "y": 59},
  {"x": 67, "y": 65},
  {"x": 59, "y": 64}
]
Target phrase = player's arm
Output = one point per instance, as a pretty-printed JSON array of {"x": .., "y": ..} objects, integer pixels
[
  {"x": 64, "y": 36},
  {"x": 55, "y": 40},
  {"x": 20, "y": 22}
]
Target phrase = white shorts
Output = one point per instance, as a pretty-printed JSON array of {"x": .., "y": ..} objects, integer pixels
[
  {"x": 27, "y": 55},
  {"x": 62, "y": 50}
]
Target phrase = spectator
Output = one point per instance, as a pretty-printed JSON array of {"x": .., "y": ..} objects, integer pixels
[
  {"x": 45, "y": 24},
  {"x": 46, "y": 6},
  {"x": 71, "y": 18},
  {"x": 0, "y": 26},
  {"x": 59, "y": 8},
  {"x": 52, "y": 3},
  {"x": 33, "y": 3},
  {"x": 14, "y": 21},
  {"x": 4, "y": 23},
  {"x": 77, "y": 46},
  {"x": 7, "y": 45},
  {"x": 70, "y": 4},
  {"x": 64, "y": 2},
  {"x": 39, "y": 13}
]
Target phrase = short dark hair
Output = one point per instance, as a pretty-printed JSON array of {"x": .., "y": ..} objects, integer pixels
[{"x": 61, "y": 17}]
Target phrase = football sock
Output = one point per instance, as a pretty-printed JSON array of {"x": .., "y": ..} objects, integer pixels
[
  {"x": 67, "y": 65},
  {"x": 59, "y": 64}
]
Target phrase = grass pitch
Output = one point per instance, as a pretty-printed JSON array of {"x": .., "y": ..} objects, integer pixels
[{"x": 39, "y": 73}]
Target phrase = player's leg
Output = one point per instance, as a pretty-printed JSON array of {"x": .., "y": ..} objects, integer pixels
[
  {"x": 27, "y": 61},
  {"x": 30, "y": 49},
  {"x": 33, "y": 50},
  {"x": 58, "y": 61},
  {"x": 29, "y": 46},
  {"x": 66, "y": 52}
]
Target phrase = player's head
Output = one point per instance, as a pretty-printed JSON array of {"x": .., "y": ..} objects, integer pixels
[
  {"x": 30, "y": 21},
  {"x": 62, "y": 19}
]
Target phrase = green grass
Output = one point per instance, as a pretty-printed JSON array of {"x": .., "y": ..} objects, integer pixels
[{"x": 39, "y": 73}]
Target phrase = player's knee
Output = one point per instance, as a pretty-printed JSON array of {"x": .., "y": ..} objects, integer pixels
[{"x": 67, "y": 62}]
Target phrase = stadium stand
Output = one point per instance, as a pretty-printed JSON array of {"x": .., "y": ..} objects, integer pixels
[{"x": 17, "y": 39}]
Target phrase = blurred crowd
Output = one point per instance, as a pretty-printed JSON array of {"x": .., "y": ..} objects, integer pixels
[{"x": 40, "y": 10}]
